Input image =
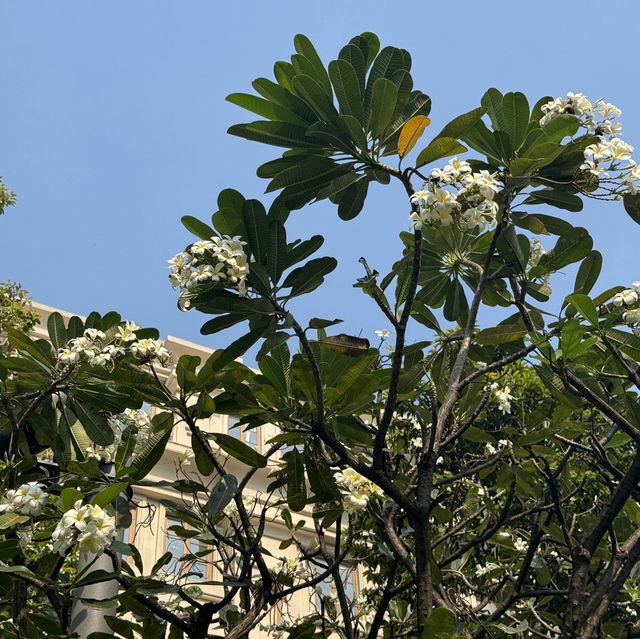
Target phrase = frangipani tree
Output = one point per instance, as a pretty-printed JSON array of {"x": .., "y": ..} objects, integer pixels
[{"x": 485, "y": 477}]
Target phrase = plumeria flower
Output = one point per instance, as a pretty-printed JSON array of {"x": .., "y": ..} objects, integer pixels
[
  {"x": 626, "y": 298},
  {"x": 520, "y": 544},
  {"x": 198, "y": 248},
  {"x": 503, "y": 397},
  {"x": 68, "y": 356},
  {"x": 383, "y": 333},
  {"x": 94, "y": 334}
]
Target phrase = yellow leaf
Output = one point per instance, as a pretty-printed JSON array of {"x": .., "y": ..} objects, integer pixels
[{"x": 411, "y": 132}]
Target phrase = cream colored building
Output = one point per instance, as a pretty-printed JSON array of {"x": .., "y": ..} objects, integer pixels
[{"x": 151, "y": 522}]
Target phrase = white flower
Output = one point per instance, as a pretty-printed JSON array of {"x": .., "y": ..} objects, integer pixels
[
  {"x": 198, "y": 248},
  {"x": 626, "y": 298},
  {"x": 94, "y": 334},
  {"x": 127, "y": 333},
  {"x": 619, "y": 149},
  {"x": 68, "y": 356},
  {"x": 483, "y": 570},
  {"x": 76, "y": 517},
  {"x": 490, "y": 449},
  {"x": 607, "y": 110},
  {"x": 89, "y": 525},
  {"x": 520, "y": 544},
  {"x": 503, "y": 397},
  {"x": 383, "y": 333},
  {"x": 452, "y": 172},
  {"x": 28, "y": 499},
  {"x": 631, "y": 317},
  {"x": 150, "y": 349},
  {"x": 357, "y": 490}
]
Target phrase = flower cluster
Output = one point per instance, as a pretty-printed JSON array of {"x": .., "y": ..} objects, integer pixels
[
  {"x": 628, "y": 297},
  {"x": 95, "y": 348},
  {"x": 220, "y": 260},
  {"x": 502, "y": 444},
  {"x": 356, "y": 489},
  {"x": 150, "y": 349},
  {"x": 503, "y": 396},
  {"x": 29, "y": 499},
  {"x": 90, "y": 526},
  {"x": 469, "y": 200},
  {"x": 610, "y": 154},
  {"x": 231, "y": 509}
]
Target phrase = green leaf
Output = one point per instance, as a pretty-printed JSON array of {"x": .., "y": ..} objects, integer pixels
[
  {"x": 463, "y": 123},
  {"x": 8, "y": 520},
  {"x": 439, "y": 148},
  {"x": 255, "y": 221},
  {"x": 588, "y": 272},
  {"x": 203, "y": 462},
  {"x": 316, "y": 322},
  {"x": 515, "y": 109},
  {"x": 585, "y": 306},
  {"x": 220, "y": 323},
  {"x": 383, "y": 103},
  {"x": 56, "y": 329},
  {"x": 320, "y": 477},
  {"x": 348, "y": 88},
  {"x": 541, "y": 224},
  {"x": 480, "y": 138},
  {"x": 238, "y": 347},
  {"x": 221, "y": 495},
  {"x": 570, "y": 247},
  {"x": 95, "y": 423},
  {"x": 296, "y": 485},
  {"x": 109, "y": 494},
  {"x": 439, "y": 625},
  {"x": 277, "y": 134},
  {"x": 275, "y": 93},
  {"x": 149, "y": 456},
  {"x": 126, "y": 447},
  {"x": 501, "y": 334},
  {"x": 308, "y": 277},
  {"x": 315, "y": 96},
  {"x": 492, "y": 101},
  {"x": 70, "y": 496},
  {"x": 356, "y": 58},
  {"x": 632, "y": 206},
  {"x": 554, "y": 385},
  {"x": 456, "y": 308},
  {"x": 186, "y": 372},
  {"x": 266, "y": 109},
  {"x": 559, "y": 199},
  {"x": 301, "y": 251},
  {"x": 304, "y": 47},
  {"x": 306, "y": 171},
  {"x": 560, "y": 127},
  {"x": 198, "y": 228},
  {"x": 239, "y": 450},
  {"x": 352, "y": 199},
  {"x": 387, "y": 62}
]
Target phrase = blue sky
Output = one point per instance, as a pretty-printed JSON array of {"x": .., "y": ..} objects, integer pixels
[{"x": 114, "y": 126}]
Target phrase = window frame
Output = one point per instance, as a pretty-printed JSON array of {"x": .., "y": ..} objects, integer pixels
[
  {"x": 244, "y": 435},
  {"x": 208, "y": 574}
]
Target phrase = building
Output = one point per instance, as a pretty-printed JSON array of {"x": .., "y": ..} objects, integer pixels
[{"x": 151, "y": 527}]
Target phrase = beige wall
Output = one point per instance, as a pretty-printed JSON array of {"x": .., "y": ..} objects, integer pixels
[{"x": 149, "y": 531}]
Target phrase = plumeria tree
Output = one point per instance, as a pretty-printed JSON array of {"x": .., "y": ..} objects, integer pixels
[{"x": 484, "y": 478}]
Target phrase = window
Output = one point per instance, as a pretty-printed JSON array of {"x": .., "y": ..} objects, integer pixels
[
  {"x": 180, "y": 547},
  {"x": 235, "y": 429}
]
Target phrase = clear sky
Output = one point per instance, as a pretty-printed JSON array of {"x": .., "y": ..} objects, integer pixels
[{"x": 114, "y": 125}]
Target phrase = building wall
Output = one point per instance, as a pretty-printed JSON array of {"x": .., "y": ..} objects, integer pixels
[{"x": 149, "y": 530}]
